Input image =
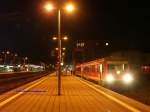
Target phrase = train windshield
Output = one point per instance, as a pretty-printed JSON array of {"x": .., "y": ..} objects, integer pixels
[{"x": 117, "y": 67}]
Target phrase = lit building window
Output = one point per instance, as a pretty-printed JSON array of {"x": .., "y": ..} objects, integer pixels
[{"x": 81, "y": 44}]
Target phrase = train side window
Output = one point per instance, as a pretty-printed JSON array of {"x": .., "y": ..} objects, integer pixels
[
  {"x": 93, "y": 68},
  {"x": 111, "y": 67}
]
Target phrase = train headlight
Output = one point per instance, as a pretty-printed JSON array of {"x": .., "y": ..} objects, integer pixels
[
  {"x": 127, "y": 78},
  {"x": 110, "y": 78}
]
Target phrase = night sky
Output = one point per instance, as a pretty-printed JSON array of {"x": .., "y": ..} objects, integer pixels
[{"x": 27, "y": 29}]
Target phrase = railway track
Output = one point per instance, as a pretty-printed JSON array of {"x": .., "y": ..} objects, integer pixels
[{"x": 13, "y": 80}]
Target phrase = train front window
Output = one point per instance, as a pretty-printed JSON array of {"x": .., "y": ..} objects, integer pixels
[{"x": 117, "y": 67}]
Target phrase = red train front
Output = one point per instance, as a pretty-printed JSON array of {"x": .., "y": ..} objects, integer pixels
[{"x": 107, "y": 70}]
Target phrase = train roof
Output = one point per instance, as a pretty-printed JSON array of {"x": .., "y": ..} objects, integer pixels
[{"x": 110, "y": 59}]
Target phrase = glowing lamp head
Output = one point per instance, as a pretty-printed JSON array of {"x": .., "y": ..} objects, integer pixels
[
  {"x": 63, "y": 54},
  {"x": 16, "y": 55},
  {"x": 54, "y": 38},
  {"x": 70, "y": 7},
  {"x": 61, "y": 63},
  {"x": 8, "y": 52},
  {"x": 49, "y": 7},
  {"x": 110, "y": 78},
  {"x": 56, "y": 49},
  {"x": 127, "y": 78},
  {"x": 65, "y": 38},
  {"x": 64, "y": 48},
  {"x": 118, "y": 72}
]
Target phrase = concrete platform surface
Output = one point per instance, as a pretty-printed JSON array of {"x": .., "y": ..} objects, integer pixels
[{"x": 41, "y": 96}]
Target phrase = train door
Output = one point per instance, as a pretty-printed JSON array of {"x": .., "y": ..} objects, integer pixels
[
  {"x": 100, "y": 71},
  {"x": 82, "y": 72}
]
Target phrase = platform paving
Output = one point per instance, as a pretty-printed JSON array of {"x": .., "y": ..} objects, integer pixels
[{"x": 75, "y": 97}]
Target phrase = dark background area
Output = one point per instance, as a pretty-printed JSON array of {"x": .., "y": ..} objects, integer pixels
[{"x": 27, "y": 29}]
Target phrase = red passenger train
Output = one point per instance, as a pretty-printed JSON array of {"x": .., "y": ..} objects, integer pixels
[{"x": 106, "y": 70}]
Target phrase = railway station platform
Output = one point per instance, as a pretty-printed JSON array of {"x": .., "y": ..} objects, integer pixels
[{"x": 77, "y": 95}]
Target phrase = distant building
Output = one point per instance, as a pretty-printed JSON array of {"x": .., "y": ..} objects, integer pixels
[{"x": 86, "y": 50}]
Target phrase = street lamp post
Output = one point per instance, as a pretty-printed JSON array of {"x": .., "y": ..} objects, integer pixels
[
  {"x": 59, "y": 52},
  {"x": 69, "y": 7}
]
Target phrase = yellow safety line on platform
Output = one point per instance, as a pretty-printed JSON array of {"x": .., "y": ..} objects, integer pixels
[
  {"x": 111, "y": 97},
  {"x": 18, "y": 94}
]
